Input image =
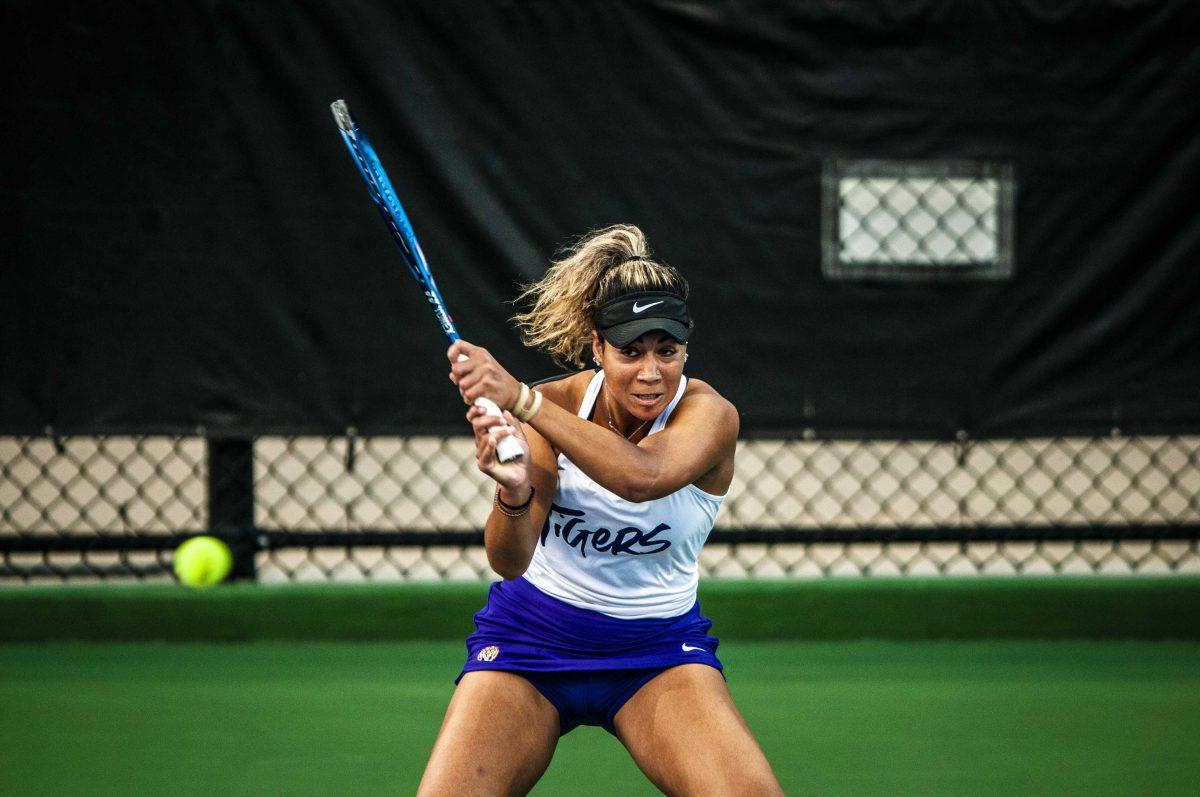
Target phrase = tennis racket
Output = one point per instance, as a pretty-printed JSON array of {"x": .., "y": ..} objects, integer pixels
[{"x": 379, "y": 188}]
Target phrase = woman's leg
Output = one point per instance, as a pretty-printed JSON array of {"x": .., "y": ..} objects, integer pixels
[
  {"x": 497, "y": 738},
  {"x": 688, "y": 737}
]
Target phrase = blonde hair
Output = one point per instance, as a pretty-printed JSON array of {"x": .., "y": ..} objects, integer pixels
[{"x": 601, "y": 266}]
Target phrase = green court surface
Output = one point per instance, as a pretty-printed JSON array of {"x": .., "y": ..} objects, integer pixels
[{"x": 835, "y": 717}]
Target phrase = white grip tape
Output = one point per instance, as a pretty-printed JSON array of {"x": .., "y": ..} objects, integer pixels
[{"x": 508, "y": 447}]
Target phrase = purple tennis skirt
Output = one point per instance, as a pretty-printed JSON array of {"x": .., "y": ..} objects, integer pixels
[{"x": 522, "y": 629}]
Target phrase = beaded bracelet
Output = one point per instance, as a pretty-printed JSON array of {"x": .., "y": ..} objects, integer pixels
[{"x": 513, "y": 511}]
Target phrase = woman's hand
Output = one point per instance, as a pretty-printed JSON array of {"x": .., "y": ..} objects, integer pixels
[
  {"x": 480, "y": 375},
  {"x": 488, "y": 429}
]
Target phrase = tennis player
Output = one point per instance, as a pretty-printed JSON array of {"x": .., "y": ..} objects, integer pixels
[{"x": 596, "y": 532}]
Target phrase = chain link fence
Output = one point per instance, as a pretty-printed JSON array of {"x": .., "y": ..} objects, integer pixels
[
  {"x": 917, "y": 220},
  {"x": 77, "y": 507},
  {"x": 391, "y": 508}
]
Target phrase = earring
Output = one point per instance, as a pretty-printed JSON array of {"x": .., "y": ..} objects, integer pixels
[
  {"x": 597, "y": 361},
  {"x": 685, "y": 356}
]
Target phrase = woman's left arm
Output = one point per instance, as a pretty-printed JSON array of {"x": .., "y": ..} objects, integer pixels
[{"x": 702, "y": 434}]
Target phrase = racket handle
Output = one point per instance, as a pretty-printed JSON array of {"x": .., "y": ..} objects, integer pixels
[{"x": 507, "y": 448}]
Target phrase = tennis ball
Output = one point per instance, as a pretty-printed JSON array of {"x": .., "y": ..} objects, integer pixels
[{"x": 202, "y": 561}]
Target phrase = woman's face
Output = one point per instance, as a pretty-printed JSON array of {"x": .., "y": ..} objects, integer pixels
[{"x": 641, "y": 378}]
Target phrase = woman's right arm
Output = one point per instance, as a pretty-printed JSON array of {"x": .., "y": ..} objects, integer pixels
[{"x": 510, "y": 541}]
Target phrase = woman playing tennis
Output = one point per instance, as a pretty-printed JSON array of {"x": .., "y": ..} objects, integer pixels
[{"x": 596, "y": 532}]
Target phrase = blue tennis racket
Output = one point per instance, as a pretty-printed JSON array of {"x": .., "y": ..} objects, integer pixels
[{"x": 379, "y": 188}]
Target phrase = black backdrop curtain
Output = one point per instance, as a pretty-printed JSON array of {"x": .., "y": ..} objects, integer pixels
[{"x": 187, "y": 242}]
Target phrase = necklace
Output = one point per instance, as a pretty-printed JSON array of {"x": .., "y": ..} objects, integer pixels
[{"x": 611, "y": 425}]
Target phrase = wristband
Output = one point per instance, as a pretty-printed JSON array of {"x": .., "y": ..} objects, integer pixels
[
  {"x": 522, "y": 397},
  {"x": 525, "y": 413},
  {"x": 533, "y": 409}
]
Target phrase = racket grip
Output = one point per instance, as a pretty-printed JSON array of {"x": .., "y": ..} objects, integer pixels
[{"x": 507, "y": 447}]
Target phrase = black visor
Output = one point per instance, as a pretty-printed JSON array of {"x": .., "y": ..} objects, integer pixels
[{"x": 624, "y": 320}]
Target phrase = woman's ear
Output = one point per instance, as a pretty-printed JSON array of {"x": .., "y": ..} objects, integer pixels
[{"x": 597, "y": 347}]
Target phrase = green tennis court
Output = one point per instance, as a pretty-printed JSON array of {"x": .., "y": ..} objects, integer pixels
[{"x": 970, "y": 717}]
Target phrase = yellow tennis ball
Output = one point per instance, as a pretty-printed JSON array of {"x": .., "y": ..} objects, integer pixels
[{"x": 202, "y": 561}]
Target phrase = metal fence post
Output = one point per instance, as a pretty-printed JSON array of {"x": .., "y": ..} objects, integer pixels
[{"x": 231, "y": 501}]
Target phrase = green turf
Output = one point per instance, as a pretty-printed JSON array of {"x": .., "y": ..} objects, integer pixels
[{"x": 975, "y": 717}]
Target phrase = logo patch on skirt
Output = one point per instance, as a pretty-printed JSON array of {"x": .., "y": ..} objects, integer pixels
[{"x": 489, "y": 653}]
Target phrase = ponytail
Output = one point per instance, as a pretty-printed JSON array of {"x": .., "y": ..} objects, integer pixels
[{"x": 600, "y": 266}]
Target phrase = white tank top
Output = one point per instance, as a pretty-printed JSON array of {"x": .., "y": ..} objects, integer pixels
[{"x": 624, "y": 559}]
